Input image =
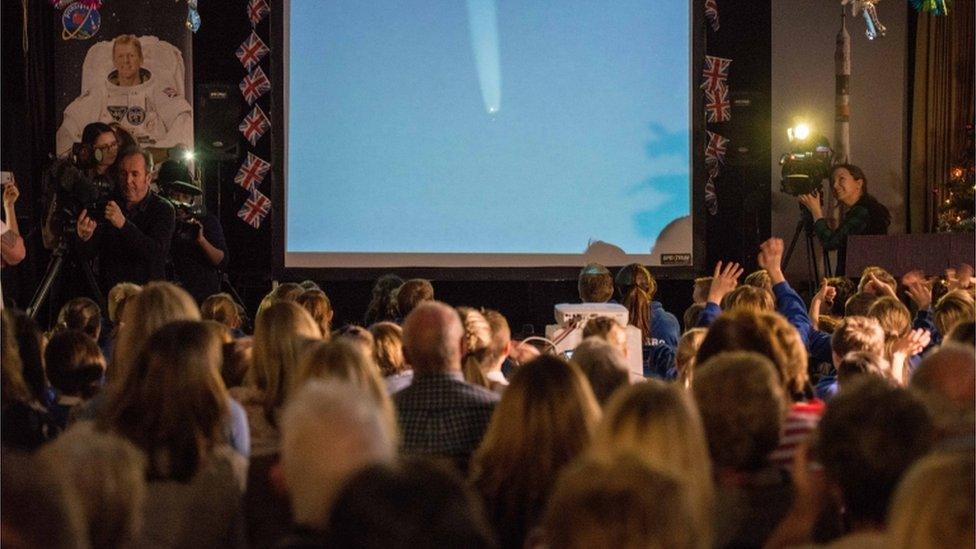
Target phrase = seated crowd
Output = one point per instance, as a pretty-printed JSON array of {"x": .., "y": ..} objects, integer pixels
[{"x": 847, "y": 421}]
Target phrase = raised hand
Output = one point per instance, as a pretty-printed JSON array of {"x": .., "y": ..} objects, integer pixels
[
  {"x": 771, "y": 259},
  {"x": 724, "y": 280}
]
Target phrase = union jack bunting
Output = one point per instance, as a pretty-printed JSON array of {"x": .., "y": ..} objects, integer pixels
[
  {"x": 711, "y": 199},
  {"x": 718, "y": 108},
  {"x": 252, "y": 172},
  {"x": 255, "y": 209},
  {"x": 257, "y": 9},
  {"x": 711, "y": 12},
  {"x": 254, "y": 125},
  {"x": 715, "y": 149},
  {"x": 715, "y": 73},
  {"x": 254, "y": 85},
  {"x": 252, "y": 51}
]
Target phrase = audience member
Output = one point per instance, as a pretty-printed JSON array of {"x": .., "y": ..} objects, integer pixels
[
  {"x": 382, "y": 305},
  {"x": 75, "y": 367},
  {"x": 859, "y": 304},
  {"x": 40, "y": 509},
  {"x": 636, "y": 287},
  {"x": 609, "y": 330},
  {"x": 759, "y": 279},
  {"x": 415, "y": 504},
  {"x": 12, "y": 250},
  {"x": 963, "y": 332},
  {"x": 117, "y": 297},
  {"x": 861, "y": 363},
  {"x": 439, "y": 414},
  {"x": 81, "y": 313},
  {"x": 173, "y": 406},
  {"x": 946, "y": 382},
  {"x": 499, "y": 350},
  {"x": 604, "y": 366},
  {"x": 620, "y": 503},
  {"x": 25, "y": 421},
  {"x": 876, "y": 281},
  {"x": 388, "y": 354},
  {"x": 954, "y": 307},
  {"x": 595, "y": 284},
  {"x": 476, "y": 358},
  {"x": 748, "y": 298},
  {"x": 700, "y": 290},
  {"x": 854, "y": 333},
  {"x": 319, "y": 307},
  {"x": 223, "y": 309},
  {"x": 742, "y": 408},
  {"x": 903, "y": 347},
  {"x": 329, "y": 431},
  {"x": 659, "y": 424},
  {"x": 724, "y": 280},
  {"x": 933, "y": 505},
  {"x": 411, "y": 293},
  {"x": 286, "y": 291},
  {"x": 690, "y": 317},
  {"x": 280, "y": 332},
  {"x": 684, "y": 358},
  {"x": 544, "y": 420},
  {"x": 108, "y": 475}
]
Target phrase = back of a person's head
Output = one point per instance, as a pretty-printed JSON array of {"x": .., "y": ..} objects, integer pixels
[
  {"x": 636, "y": 287},
  {"x": 221, "y": 308},
  {"x": 607, "y": 329},
  {"x": 40, "y": 508},
  {"x": 845, "y": 288},
  {"x": 432, "y": 335},
  {"x": 595, "y": 284},
  {"x": 412, "y": 293},
  {"x": 858, "y": 333},
  {"x": 699, "y": 292},
  {"x": 286, "y": 291},
  {"x": 117, "y": 297},
  {"x": 476, "y": 359},
  {"x": 861, "y": 363},
  {"x": 946, "y": 382},
  {"x": 620, "y": 503},
  {"x": 748, "y": 298},
  {"x": 690, "y": 317},
  {"x": 280, "y": 332},
  {"x": 742, "y": 406},
  {"x": 388, "y": 347},
  {"x": 74, "y": 363},
  {"x": 173, "y": 403},
  {"x": 108, "y": 474},
  {"x": 413, "y": 505},
  {"x": 951, "y": 309},
  {"x": 24, "y": 378},
  {"x": 319, "y": 307},
  {"x": 933, "y": 506},
  {"x": 603, "y": 365},
  {"x": 382, "y": 305},
  {"x": 501, "y": 334},
  {"x": 759, "y": 279},
  {"x": 878, "y": 272},
  {"x": 545, "y": 418},
  {"x": 859, "y": 304},
  {"x": 329, "y": 431},
  {"x": 964, "y": 332},
  {"x": 869, "y": 436},
  {"x": 81, "y": 313},
  {"x": 684, "y": 355},
  {"x": 892, "y": 315},
  {"x": 157, "y": 304}
]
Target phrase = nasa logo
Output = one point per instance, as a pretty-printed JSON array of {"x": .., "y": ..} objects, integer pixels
[{"x": 136, "y": 115}]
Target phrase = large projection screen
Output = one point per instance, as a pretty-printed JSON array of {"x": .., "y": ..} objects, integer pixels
[{"x": 485, "y": 133}]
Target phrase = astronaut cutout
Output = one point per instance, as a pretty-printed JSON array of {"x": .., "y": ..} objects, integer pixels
[{"x": 147, "y": 101}]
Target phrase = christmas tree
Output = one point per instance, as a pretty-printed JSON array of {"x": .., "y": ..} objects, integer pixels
[{"x": 957, "y": 200}]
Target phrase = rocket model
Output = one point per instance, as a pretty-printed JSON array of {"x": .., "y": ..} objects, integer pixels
[{"x": 842, "y": 109}]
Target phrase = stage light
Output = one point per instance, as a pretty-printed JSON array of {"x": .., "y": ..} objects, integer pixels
[
  {"x": 799, "y": 132},
  {"x": 188, "y": 156}
]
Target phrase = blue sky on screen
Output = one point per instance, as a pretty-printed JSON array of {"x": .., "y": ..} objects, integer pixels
[{"x": 486, "y": 126}]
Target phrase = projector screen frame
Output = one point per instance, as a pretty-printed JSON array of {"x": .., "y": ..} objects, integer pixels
[{"x": 279, "y": 21}]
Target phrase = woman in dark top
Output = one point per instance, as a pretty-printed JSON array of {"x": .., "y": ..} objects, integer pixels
[{"x": 863, "y": 214}]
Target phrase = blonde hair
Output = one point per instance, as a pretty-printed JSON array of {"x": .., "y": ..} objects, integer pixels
[
  {"x": 280, "y": 332},
  {"x": 684, "y": 356},
  {"x": 879, "y": 273},
  {"x": 621, "y": 503},
  {"x": 660, "y": 424},
  {"x": 544, "y": 420},
  {"x": 602, "y": 326},
  {"x": 131, "y": 40},
  {"x": 858, "y": 333},
  {"x": 759, "y": 279},
  {"x": 118, "y": 296},
  {"x": 156, "y": 305},
  {"x": 951, "y": 309},
  {"x": 477, "y": 358},
  {"x": 221, "y": 308},
  {"x": 318, "y": 305},
  {"x": 893, "y": 317},
  {"x": 388, "y": 348},
  {"x": 933, "y": 506},
  {"x": 748, "y": 298},
  {"x": 699, "y": 292}
]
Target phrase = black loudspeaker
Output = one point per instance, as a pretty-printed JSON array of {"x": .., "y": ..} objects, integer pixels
[{"x": 218, "y": 114}]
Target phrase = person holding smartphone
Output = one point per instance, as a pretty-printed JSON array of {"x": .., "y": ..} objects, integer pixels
[{"x": 11, "y": 243}]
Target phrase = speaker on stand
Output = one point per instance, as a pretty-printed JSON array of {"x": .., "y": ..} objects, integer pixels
[{"x": 218, "y": 113}]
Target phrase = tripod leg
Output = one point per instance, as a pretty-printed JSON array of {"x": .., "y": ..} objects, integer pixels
[
  {"x": 93, "y": 284},
  {"x": 789, "y": 251},
  {"x": 53, "y": 268}
]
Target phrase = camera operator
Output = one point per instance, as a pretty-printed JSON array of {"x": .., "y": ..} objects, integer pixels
[
  {"x": 199, "y": 251},
  {"x": 132, "y": 243},
  {"x": 863, "y": 214}
]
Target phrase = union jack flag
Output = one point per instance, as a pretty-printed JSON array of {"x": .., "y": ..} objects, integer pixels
[
  {"x": 254, "y": 85},
  {"x": 254, "y": 125},
  {"x": 255, "y": 208},
  {"x": 252, "y": 172},
  {"x": 718, "y": 108},
  {"x": 715, "y": 73},
  {"x": 711, "y": 12},
  {"x": 252, "y": 51},
  {"x": 256, "y": 10},
  {"x": 711, "y": 199},
  {"x": 715, "y": 149}
]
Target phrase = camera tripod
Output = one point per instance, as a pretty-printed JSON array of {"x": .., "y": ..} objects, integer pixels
[
  {"x": 804, "y": 226},
  {"x": 63, "y": 251}
]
